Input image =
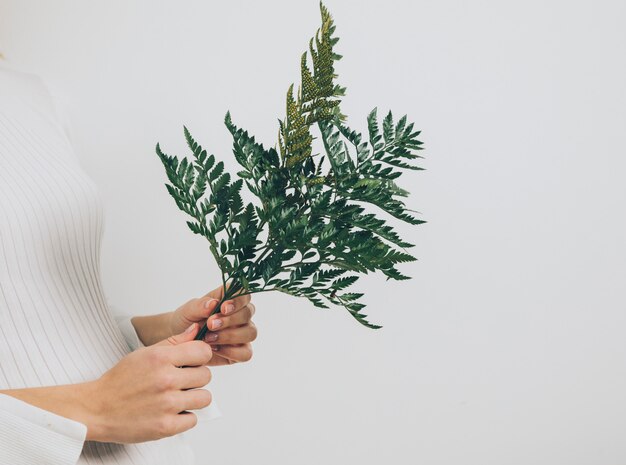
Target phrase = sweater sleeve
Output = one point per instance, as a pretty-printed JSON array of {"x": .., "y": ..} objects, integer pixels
[
  {"x": 29, "y": 434},
  {"x": 128, "y": 331},
  {"x": 126, "y": 327}
]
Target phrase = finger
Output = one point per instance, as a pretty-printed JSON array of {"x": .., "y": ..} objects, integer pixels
[
  {"x": 233, "y": 305},
  {"x": 218, "y": 292},
  {"x": 234, "y": 353},
  {"x": 195, "y": 399},
  {"x": 237, "y": 335},
  {"x": 193, "y": 377},
  {"x": 238, "y": 318},
  {"x": 217, "y": 361},
  {"x": 177, "y": 339},
  {"x": 191, "y": 353}
]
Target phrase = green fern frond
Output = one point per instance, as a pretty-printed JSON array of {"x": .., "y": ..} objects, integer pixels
[{"x": 308, "y": 232}]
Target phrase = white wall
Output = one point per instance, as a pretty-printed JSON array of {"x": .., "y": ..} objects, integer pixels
[{"x": 508, "y": 346}]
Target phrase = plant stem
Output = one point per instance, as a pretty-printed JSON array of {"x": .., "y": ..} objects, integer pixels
[
  {"x": 228, "y": 294},
  {"x": 205, "y": 328}
]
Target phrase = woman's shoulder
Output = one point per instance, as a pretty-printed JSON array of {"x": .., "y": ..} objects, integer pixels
[{"x": 19, "y": 84}]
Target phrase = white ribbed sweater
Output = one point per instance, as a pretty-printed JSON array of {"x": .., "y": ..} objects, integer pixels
[{"x": 56, "y": 326}]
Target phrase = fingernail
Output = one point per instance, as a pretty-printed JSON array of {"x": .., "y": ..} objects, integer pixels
[
  {"x": 217, "y": 324},
  {"x": 190, "y": 329},
  {"x": 229, "y": 309},
  {"x": 211, "y": 337},
  {"x": 215, "y": 348},
  {"x": 208, "y": 303}
]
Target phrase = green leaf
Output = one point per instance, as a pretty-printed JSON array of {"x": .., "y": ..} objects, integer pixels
[
  {"x": 217, "y": 171},
  {"x": 344, "y": 282}
]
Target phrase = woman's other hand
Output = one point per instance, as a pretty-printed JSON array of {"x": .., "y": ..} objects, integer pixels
[{"x": 230, "y": 331}]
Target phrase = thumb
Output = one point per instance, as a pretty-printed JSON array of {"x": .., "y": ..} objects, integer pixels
[
  {"x": 198, "y": 309},
  {"x": 188, "y": 335}
]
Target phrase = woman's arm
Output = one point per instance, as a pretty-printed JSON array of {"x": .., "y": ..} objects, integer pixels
[
  {"x": 152, "y": 328},
  {"x": 72, "y": 401}
]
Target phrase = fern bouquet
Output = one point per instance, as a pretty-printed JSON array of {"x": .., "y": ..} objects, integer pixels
[{"x": 307, "y": 233}]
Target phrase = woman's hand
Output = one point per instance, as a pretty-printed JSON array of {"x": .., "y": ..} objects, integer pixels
[
  {"x": 144, "y": 396},
  {"x": 230, "y": 332}
]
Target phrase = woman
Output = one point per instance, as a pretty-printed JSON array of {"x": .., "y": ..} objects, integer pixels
[{"x": 76, "y": 384}]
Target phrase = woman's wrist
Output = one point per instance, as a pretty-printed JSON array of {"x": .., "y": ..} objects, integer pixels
[
  {"x": 153, "y": 328},
  {"x": 78, "y": 402},
  {"x": 92, "y": 413}
]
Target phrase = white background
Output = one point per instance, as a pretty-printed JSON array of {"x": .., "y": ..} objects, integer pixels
[{"x": 508, "y": 345}]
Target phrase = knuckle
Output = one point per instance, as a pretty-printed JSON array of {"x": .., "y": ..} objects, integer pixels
[
  {"x": 156, "y": 356},
  {"x": 165, "y": 426},
  {"x": 207, "y": 352},
  {"x": 170, "y": 403},
  {"x": 248, "y": 312},
  {"x": 253, "y": 332},
  {"x": 166, "y": 381},
  {"x": 199, "y": 302},
  {"x": 203, "y": 351},
  {"x": 247, "y": 354}
]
